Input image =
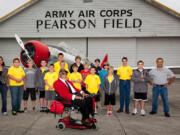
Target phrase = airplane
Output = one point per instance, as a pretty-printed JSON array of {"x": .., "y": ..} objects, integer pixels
[{"x": 37, "y": 51}]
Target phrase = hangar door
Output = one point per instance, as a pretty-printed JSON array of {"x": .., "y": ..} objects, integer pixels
[
  {"x": 9, "y": 49},
  {"x": 116, "y": 48},
  {"x": 148, "y": 49}
]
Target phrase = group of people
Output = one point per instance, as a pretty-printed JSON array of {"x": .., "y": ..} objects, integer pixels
[{"x": 86, "y": 79}]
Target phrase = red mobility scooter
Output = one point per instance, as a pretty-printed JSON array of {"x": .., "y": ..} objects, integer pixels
[{"x": 60, "y": 106}]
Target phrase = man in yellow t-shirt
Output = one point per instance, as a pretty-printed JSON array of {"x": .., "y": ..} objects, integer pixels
[
  {"x": 49, "y": 78},
  {"x": 124, "y": 73},
  {"x": 57, "y": 65},
  {"x": 16, "y": 76},
  {"x": 93, "y": 82},
  {"x": 76, "y": 77}
]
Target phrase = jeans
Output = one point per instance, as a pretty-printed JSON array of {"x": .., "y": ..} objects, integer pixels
[
  {"x": 163, "y": 91},
  {"x": 3, "y": 91},
  {"x": 16, "y": 97},
  {"x": 124, "y": 90}
]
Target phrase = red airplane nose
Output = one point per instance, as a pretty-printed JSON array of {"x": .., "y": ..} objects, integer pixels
[{"x": 37, "y": 51}]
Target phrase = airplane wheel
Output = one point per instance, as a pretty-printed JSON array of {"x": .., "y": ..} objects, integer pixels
[{"x": 61, "y": 126}]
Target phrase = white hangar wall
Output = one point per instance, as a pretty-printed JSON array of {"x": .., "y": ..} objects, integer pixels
[
  {"x": 158, "y": 36},
  {"x": 147, "y": 49}
]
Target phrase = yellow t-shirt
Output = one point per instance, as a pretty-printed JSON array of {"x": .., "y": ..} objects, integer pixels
[
  {"x": 75, "y": 77},
  {"x": 92, "y": 81},
  {"x": 18, "y": 73},
  {"x": 43, "y": 69},
  {"x": 110, "y": 78},
  {"x": 57, "y": 67},
  {"x": 50, "y": 78},
  {"x": 125, "y": 73}
]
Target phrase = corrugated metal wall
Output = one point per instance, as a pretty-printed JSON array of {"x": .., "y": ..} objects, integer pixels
[{"x": 146, "y": 49}]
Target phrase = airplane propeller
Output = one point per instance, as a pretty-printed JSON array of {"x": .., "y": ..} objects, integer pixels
[{"x": 21, "y": 44}]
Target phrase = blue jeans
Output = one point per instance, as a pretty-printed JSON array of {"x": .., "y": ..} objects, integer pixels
[
  {"x": 16, "y": 97},
  {"x": 3, "y": 91},
  {"x": 163, "y": 91},
  {"x": 124, "y": 91}
]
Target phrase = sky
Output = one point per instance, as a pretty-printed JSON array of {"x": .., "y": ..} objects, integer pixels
[
  {"x": 7, "y": 6},
  {"x": 172, "y": 4}
]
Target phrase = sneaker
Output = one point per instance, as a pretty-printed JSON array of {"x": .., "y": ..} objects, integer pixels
[
  {"x": 110, "y": 113},
  {"x": 107, "y": 113},
  {"x": 41, "y": 109},
  {"x": 119, "y": 111},
  {"x": 134, "y": 112},
  {"x": 25, "y": 109},
  {"x": 166, "y": 114},
  {"x": 96, "y": 112},
  {"x": 20, "y": 111},
  {"x": 5, "y": 113},
  {"x": 143, "y": 113},
  {"x": 152, "y": 112},
  {"x": 47, "y": 110},
  {"x": 14, "y": 113},
  {"x": 33, "y": 108},
  {"x": 44, "y": 109},
  {"x": 127, "y": 111}
]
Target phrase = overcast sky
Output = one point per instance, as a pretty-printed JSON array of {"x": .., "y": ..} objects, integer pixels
[
  {"x": 173, "y": 4},
  {"x": 7, "y": 6}
]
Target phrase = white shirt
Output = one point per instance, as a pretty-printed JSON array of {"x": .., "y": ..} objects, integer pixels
[{"x": 73, "y": 90}]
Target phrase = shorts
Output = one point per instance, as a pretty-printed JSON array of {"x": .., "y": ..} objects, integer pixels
[
  {"x": 50, "y": 95},
  {"x": 110, "y": 99},
  {"x": 41, "y": 94},
  {"x": 30, "y": 91},
  {"x": 140, "y": 96},
  {"x": 97, "y": 98}
]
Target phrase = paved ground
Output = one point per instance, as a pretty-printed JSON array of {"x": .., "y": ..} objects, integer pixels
[{"x": 119, "y": 124}]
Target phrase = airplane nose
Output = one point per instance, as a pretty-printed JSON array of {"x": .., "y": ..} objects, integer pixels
[{"x": 37, "y": 51}]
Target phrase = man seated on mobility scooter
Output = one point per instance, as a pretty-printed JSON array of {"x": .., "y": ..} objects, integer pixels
[{"x": 77, "y": 98}]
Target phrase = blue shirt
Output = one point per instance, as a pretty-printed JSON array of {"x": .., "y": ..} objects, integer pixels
[{"x": 102, "y": 74}]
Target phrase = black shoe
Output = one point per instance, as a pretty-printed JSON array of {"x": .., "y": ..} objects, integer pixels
[
  {"x": 152, "y": 112},
  {"x": 20, "y": 111},
  {"x": 166, "y": 114},
  {"x": 47, "y": 110},
  {"x": 14, "y": 113},
  {"x": 34, "y": 108},
  {"x": 127, "y": 111},
  {"x": 119, "y": 111},
  {"x": 41, "y": 109}
]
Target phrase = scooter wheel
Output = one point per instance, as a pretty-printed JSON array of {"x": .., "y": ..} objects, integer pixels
[{"x": 61, "y": 126}]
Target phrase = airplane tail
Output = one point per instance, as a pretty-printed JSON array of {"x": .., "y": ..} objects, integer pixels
[{"x": 104, "y": 60}]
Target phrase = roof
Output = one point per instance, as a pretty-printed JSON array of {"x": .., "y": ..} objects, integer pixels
[
  {"x": 169, "y": 6},
  {"x": 10, "y": 7}
]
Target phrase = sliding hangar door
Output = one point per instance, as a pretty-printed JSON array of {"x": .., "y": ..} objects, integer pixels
[{"x": 146, "y": 49}]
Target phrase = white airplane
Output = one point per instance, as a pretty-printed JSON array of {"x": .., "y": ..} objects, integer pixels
[{"x": 37, "y": 51}]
